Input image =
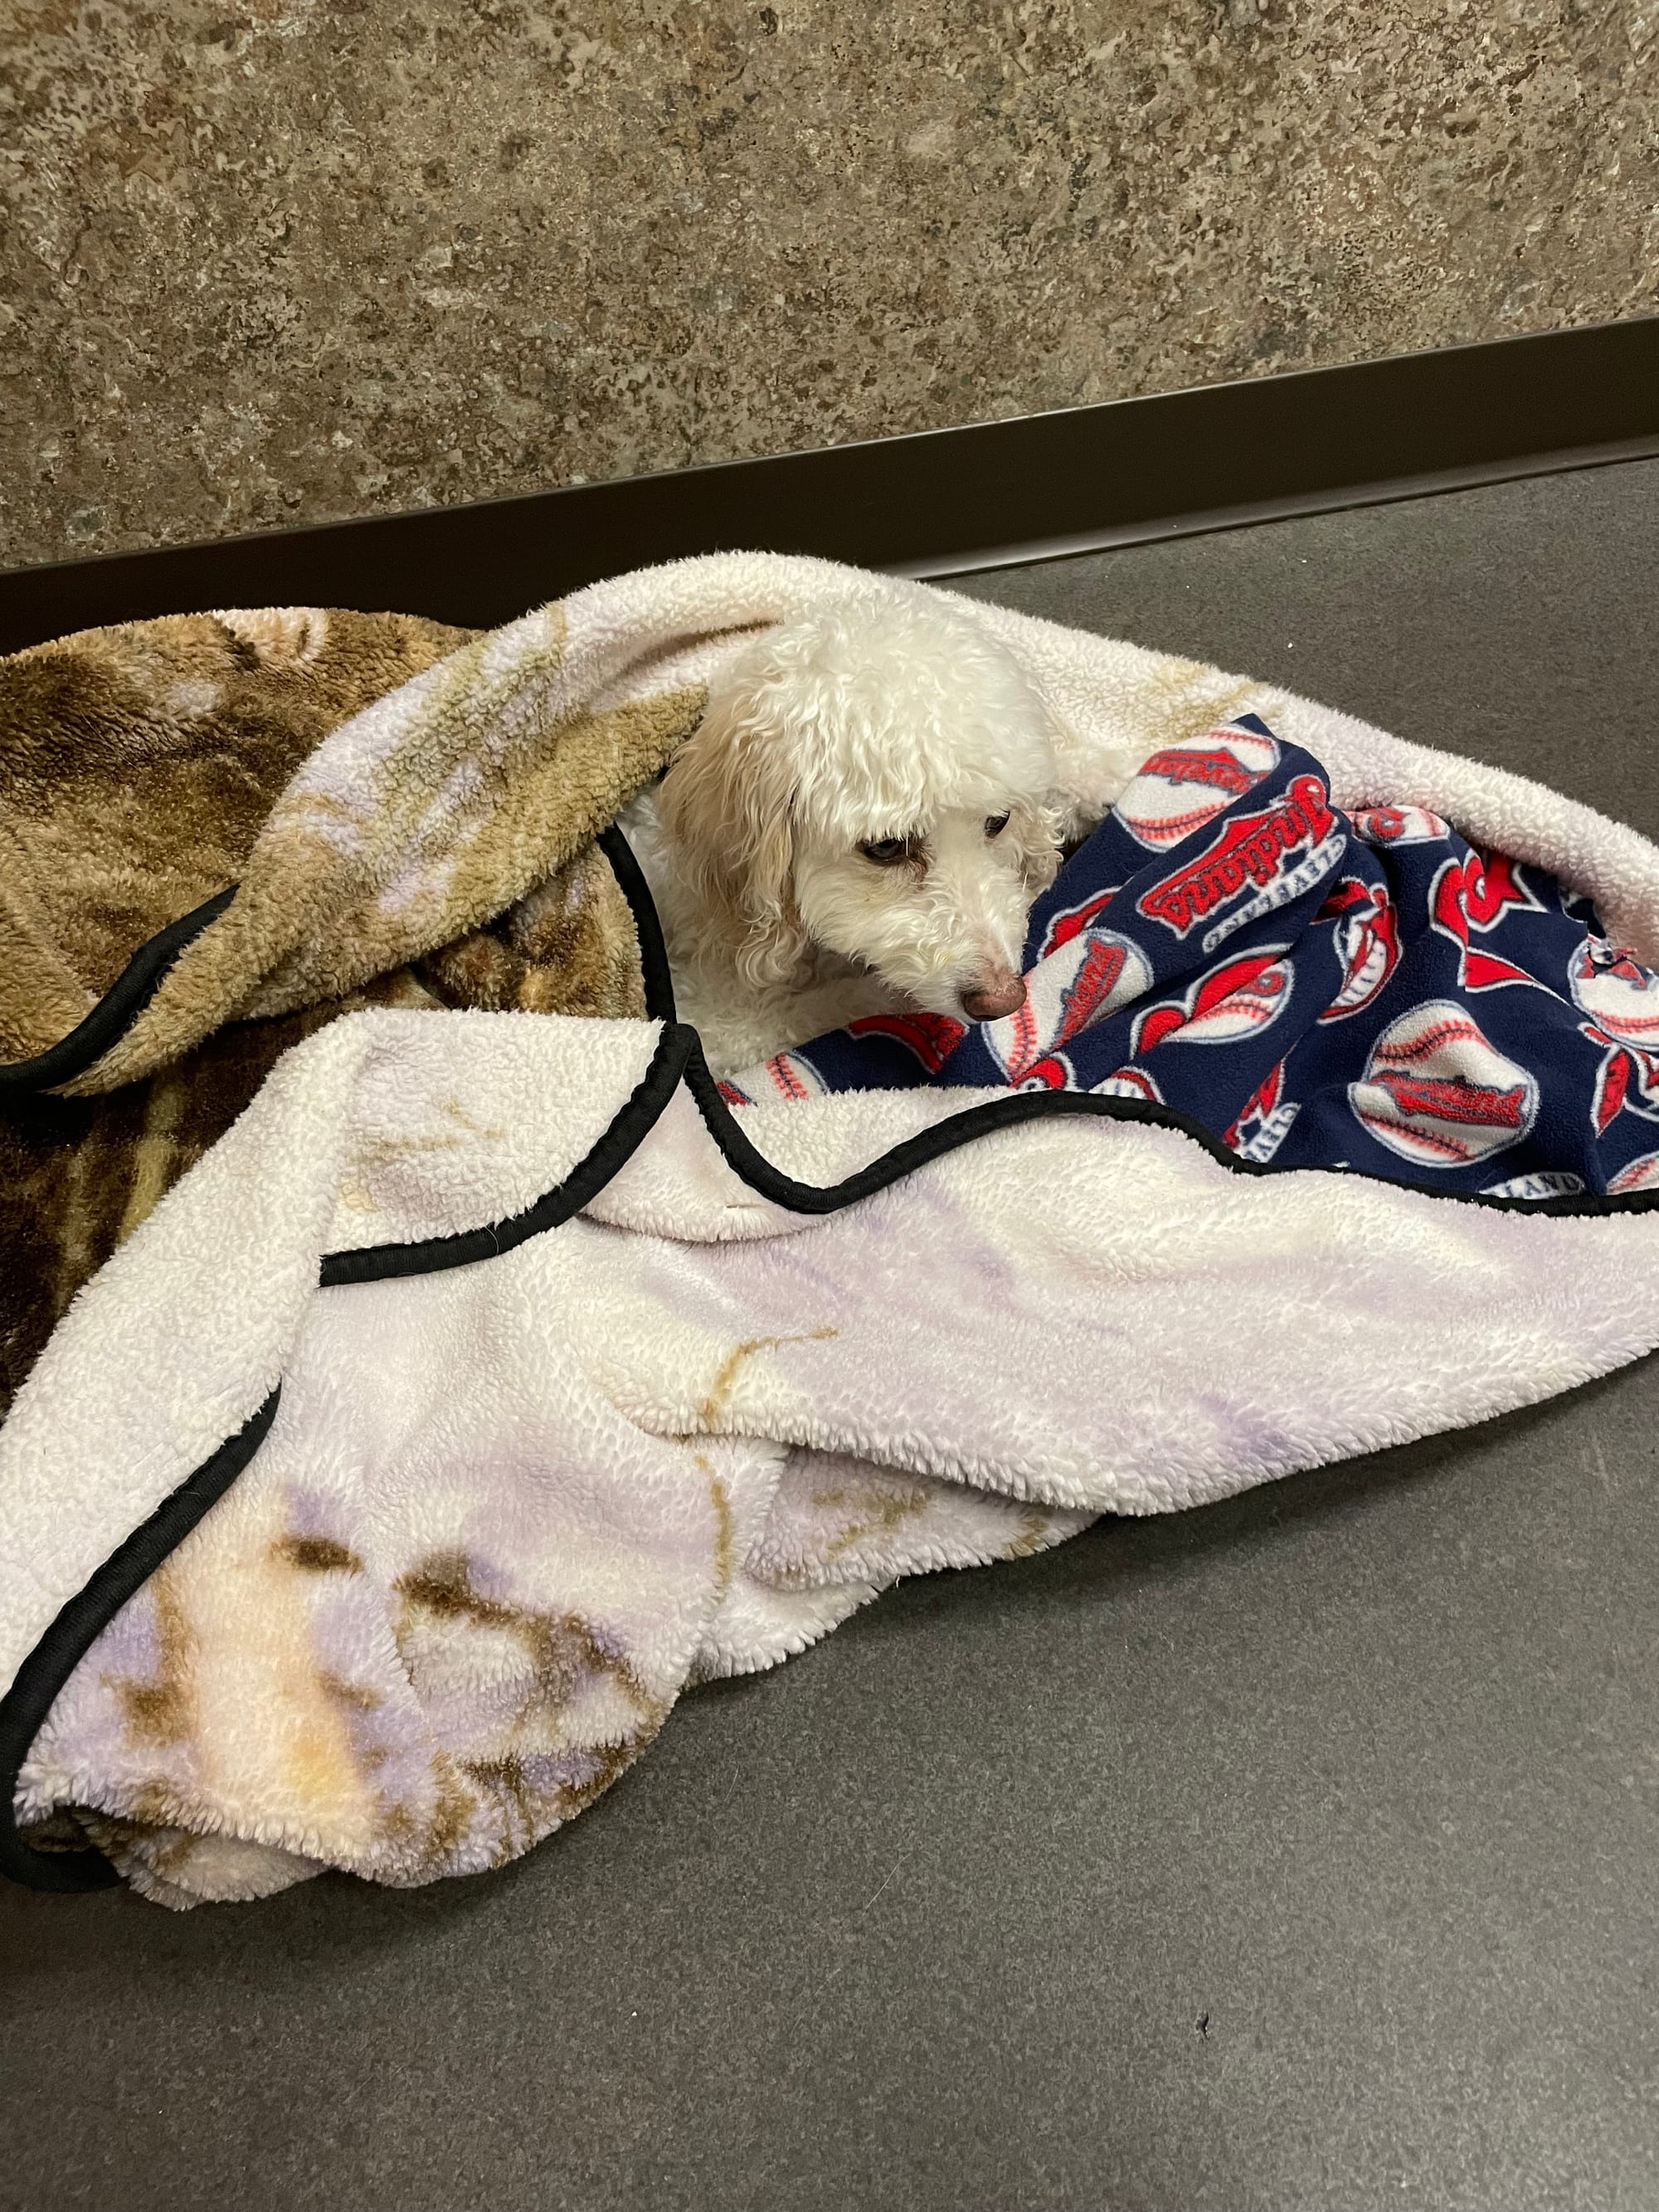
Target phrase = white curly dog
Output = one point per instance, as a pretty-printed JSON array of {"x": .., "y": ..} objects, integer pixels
[{"x": 858, "y": 824}]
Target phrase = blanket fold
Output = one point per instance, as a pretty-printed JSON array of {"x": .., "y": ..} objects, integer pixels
[
  {"x": 220, "y": 831},
  {"x": 495, "y": 1379}
]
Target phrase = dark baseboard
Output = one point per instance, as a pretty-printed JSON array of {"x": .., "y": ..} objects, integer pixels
[{"x": 941, "y": 502}]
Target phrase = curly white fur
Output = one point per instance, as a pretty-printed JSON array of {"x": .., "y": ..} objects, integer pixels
[{"x": 871, "y": 721}]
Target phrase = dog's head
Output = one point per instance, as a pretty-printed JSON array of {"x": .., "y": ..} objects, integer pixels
[{"x": 876, "y": 779}]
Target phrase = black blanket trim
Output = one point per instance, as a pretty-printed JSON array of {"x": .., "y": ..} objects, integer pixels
[
  {"x": 77, "y": 1628},
  {"x": 119, "y": 1007},
  {"x": 620, "y": 1138},
  {"x": 648, "y": 925},
  {"x": 984, "y": 1120},
  {"x": 42, "y": 1675},
  {"x": 139, "y": 980},
  {"x": 678, "y": 1057}
]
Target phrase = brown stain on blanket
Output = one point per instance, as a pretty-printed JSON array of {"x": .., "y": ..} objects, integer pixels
[
  {"x": 533, "y": 1773},
  {"x": 565, "y": 1652},
  {"x": 725, "y": 1532},
  {"x": 1036, "y": 1530},
  {"x": 877, "y": 1510},
  {"x": 316, "y": 1555},
  {"x": 718, "y": 1397},
  {"x": 160, "y": 1710}
]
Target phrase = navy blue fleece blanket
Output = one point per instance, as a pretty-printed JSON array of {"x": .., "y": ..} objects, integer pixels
[{"x": 1314, "y": 988}]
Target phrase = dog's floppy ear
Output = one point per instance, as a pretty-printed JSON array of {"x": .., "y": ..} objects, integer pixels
[
  {"x": 1035, "y": 830},
  {"x": 727, "y": 804}
]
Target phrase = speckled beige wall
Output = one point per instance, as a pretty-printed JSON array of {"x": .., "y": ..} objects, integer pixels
[{"x": 303, "y": 259}]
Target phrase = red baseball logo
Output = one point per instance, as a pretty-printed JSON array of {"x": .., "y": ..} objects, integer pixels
[
  {"x": 1627, "y": 1079},
  {"x": 1397, "y": 825},
  {"x": 1438, "y": 1092},
  {"x": 1257, "y": 849},
  {"x": 1091, "y": 975},
  {"x": 1187, "y": 785},
  {"x": 1472, "y": 893},
  {"x": 1234, "y": 1000},
  {"x": 1367, "y": 940},
  {"x": 1071, "y": 921},
  {"x": 1264, "y": 1121},
  {"x": 1615, "y": 990},
  {"x": 931, "y": 1038},
  {"x": 1129, "y": 1082}
]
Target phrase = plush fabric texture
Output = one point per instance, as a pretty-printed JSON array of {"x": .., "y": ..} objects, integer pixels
[
  {"x": 1314, "y": 988},
  {"x": 407, "y": 812},
  {"x": 508, "y": 1510}
]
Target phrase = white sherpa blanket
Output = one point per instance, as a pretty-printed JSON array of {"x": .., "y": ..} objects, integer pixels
[{"x": 485, "y": 1386}]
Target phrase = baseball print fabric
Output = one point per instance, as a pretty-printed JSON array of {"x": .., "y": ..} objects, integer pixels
[{"x": 1363, "y": 990}]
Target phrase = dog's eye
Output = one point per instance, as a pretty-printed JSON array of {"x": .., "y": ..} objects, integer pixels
[
  {"x": 995, "y": 824},
  {"x": 887, "y": 852}
]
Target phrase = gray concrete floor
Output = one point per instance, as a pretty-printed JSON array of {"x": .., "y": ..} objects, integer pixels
[{"x": 1299, "y": 1852}]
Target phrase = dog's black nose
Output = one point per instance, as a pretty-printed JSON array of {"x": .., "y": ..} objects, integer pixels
[{"x": 990, "y": 1001}]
